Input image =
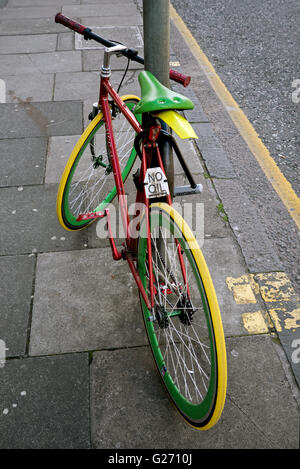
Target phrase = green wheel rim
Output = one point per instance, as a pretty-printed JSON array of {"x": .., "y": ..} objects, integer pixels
[{"x": 196, "y": 414}]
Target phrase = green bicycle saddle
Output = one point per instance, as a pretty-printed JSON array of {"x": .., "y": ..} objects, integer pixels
[{"x": 157, "y": 97}]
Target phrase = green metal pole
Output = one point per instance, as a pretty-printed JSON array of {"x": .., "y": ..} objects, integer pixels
[{"x": 156, "y": 17}]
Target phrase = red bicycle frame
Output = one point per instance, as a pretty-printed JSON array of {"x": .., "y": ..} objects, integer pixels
[{"x": 107, "y": 90}]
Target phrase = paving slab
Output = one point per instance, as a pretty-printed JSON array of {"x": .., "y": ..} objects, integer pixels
[
  {"x": 67, "y": 281},
  {"x": 105, "y": 9},
  {"x": 130, "y": 408},
  {"x": 31, "y": 25},
  {"x": 207, "y": 138},
  {"x": 276, "y": 413},
  {"x": 110, "y": 20},
  {"x": 111, "y": 2},
  {"x": 203, "y": 130},
  {"x": 216, "y": 161},
  {"x": 57, "y": 62},
  {"x": 15, "y": 64},
  {"x": 192, "y": 115},
  {"x": 27, "y": 43},
  {"x": 29, "y": 222},
  {"x": 45, "y": 403},
  {"x": 213, "y": 224},
  {"x": 59, "y": 150},
  {"x": 47, "y": 62},
  {"x": 260, "y": 257},
  {"x": 191, "y": 157},
  {"x": 40, "y": 119},
  {"x": 283, "y": 305},
  {"x": 16, "y": 283},
  {"x": 78, "y": 85},
  {"x": 65, "y": 41},
  {"x": 93, "y": 301},
  {"x": 39, "y": 3},
  {"x": 224, "y": 260},
  {"x": 85, "y": 85},
  {"x": 29, "y": 87},
  {"x": 29, "y": 12},
  {"x": 131, "y": 36},
  {"x": 92, "y": 60},
  {"x": 22, "y": 161}
]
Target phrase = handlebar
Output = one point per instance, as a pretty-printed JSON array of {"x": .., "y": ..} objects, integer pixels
[
  {"x": 184, "y": 80},
  {"x": 60, "y": 18},
  {"x": 129, "y": 53}
]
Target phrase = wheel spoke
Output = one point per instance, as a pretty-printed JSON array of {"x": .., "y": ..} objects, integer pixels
[{"x": 179, "y": 325}]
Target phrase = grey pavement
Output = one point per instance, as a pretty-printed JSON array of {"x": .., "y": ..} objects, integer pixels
[{"x": 79, "y": 372}]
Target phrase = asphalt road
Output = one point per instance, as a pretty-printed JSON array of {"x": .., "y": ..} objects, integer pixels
[{"x": 254, "y": 47}]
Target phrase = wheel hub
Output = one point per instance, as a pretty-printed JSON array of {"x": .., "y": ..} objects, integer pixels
[
  {"x": 186, "y": 315},
  {"x": 161, "y": 317}
]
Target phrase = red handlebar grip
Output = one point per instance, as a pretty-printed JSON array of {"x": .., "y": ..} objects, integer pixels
[
  {"x": 60, "y": 18},
  {"x": 180, "y": 78}
]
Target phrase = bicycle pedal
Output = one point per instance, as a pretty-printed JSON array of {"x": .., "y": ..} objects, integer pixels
[
  {"x": 187, "y": 190},
  {"x": 90, "y": 216}
]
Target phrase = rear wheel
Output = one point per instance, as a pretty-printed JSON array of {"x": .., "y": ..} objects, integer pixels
[
  {"x": 185, "y": 330},
  {"x": 87, "y": 183}
]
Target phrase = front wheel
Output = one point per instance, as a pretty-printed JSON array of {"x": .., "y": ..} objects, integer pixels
[{"x": 185, "y": 330}]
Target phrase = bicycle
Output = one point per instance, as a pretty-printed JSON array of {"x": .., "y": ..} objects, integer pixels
[{"x": 177, "y": 296}]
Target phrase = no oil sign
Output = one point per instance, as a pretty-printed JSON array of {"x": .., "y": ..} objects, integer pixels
[{"x": 156, "y": 184}]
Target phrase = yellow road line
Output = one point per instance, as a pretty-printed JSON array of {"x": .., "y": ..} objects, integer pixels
[
  {"x": 282, "y": 187},
  {"x": 273, "y": 287}
]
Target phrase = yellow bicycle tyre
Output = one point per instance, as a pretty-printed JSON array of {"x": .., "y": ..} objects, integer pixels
[{"x": 198, "y": 421}]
